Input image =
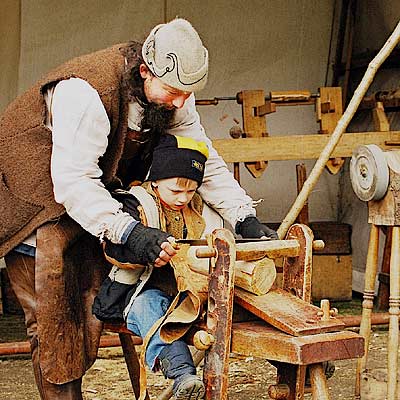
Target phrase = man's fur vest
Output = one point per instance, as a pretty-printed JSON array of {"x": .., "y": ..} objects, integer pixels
[
  {"x": 69, "y": 266},
  {"x": 26, "y": 190}
]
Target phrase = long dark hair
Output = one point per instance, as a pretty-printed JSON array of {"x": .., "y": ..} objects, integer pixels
[
  {"x": 137, "y": 83},
  {"x": 156, "y": 119}
]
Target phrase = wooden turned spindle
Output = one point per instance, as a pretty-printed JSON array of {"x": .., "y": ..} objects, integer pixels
[
  {"x": 256, "y": 250},
  {"x": 368, "y": 302}
]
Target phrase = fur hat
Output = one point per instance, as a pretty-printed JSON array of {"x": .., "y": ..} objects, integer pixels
[
  {"x": 178, "y": 157},
  {"x": 175, "y": 54}
]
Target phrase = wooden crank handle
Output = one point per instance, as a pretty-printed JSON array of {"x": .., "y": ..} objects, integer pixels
[{"x": 205, "y": 252}]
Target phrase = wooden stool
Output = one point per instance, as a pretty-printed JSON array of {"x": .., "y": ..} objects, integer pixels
[{"x": 128, "y": 342}]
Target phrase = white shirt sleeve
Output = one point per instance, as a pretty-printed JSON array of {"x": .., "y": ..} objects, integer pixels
[
  {"x": 80, "y": 128},
  {"x": 219, "y": 189}
]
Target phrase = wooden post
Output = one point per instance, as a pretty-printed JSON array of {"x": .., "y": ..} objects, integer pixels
[
  {"x": 219, "y": 315},
  {"x": 382, "y": 300},
  {"x": 297, "y": 271},
  {"x": 394, "y": 311},
  {"x": 381, "y": 124},
  {"x": 301, "y": 175},
  {"x": 319, "y": 386},
  {"x": 329, "y": 111},
  {"x": 254, "y": 125},
  {"x": 368, "y": 303}
]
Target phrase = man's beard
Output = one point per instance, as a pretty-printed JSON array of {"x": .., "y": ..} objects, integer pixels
[
  {"x": 156, "y": 118},
  {"x": 155, "y": 122}
]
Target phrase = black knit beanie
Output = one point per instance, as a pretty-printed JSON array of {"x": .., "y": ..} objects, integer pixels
[{"x": 178, "y": 157}]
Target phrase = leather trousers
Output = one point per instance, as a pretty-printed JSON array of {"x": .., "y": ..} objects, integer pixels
[{"x": 21, "y": 271}]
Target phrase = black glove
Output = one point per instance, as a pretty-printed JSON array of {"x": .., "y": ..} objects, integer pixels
[
  {"x": 145, "y": 243},
  {"x": 251, "y": 227}
]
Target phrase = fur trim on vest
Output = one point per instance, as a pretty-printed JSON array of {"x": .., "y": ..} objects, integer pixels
[{"x": 26, "y": 190}]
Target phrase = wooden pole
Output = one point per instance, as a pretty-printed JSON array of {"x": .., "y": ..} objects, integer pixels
[{"x": 339, "y": 130}]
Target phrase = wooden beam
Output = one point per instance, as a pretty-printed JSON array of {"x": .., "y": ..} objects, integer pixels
[
  {"x": 300, "y": 147},
  {"x": 259, "y": 340}
]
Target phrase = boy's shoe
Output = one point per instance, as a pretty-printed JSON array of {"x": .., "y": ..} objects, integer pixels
[
  {"x": 176, "y": 363},
  {"x": 188, "y": 387}
]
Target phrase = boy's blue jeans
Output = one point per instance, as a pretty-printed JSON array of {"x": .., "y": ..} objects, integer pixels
[{"x": 148, "y": 307}]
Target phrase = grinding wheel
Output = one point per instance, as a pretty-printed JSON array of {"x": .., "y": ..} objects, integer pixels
[{"x": 369, "y": 172}]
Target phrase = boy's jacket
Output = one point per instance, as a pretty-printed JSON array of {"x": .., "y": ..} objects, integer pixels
[{"x": 176, "y": 279}]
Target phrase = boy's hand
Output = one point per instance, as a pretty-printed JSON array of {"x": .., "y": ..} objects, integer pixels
[
  {"x": 167, "y": 252},
  {"x": 149, "y": 245},
  {"x": 251, "y": 227}
]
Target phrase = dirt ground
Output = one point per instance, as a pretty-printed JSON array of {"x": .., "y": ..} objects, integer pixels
[{"x": 249, "y": 378}]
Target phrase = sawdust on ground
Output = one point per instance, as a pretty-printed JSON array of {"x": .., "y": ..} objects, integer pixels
[{"x": 249, "y": 378}]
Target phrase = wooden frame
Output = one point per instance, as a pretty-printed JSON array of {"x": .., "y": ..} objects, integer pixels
[{"x": 300, "y": 147}]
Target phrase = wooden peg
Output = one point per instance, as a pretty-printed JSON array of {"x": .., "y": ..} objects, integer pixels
[
  {"x": 202, "y": 340},
  {"x": 326, "y": 314},
  {"x": 318, "y": 244}
]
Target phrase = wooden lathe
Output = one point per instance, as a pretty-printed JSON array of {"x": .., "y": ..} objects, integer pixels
[{"x": 287, "y": 330}]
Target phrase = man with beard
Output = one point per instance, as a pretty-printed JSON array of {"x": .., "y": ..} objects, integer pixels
[{"x": 87, "y": 128}]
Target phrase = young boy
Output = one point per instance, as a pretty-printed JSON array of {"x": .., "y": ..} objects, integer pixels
[{"x": 152, "y": 299}]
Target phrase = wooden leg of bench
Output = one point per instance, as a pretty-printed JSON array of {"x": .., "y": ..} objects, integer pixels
[
  {"x": 132, "y": 362},
  {"x": 368, "y": 303},
  {"x": 294, "y": 377},
  {"x": 319, "y": 386}
]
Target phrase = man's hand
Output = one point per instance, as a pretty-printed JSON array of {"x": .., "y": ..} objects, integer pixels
[
  {"x": 251, "y": 227},
  {"x": 150, "y": 245}
]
